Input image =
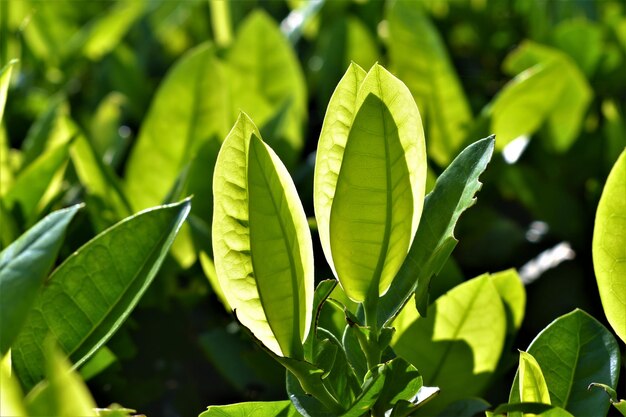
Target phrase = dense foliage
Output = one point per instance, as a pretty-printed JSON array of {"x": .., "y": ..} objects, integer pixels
[{"x": 117, "y": 111}]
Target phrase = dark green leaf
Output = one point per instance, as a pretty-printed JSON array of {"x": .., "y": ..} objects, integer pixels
[
  {"x": 90, "y": 295},
  {"x": 23, "y": 267},
  {"x": 453, "y": 193},
  {"x": 402, "y": 382}
]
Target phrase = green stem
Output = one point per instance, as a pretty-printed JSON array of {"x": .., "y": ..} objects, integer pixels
[{"x": 221, "y": 22}]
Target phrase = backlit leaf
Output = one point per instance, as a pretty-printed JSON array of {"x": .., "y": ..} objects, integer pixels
[
  {"x": 532, "y": 385},
  {"x": 609, "y": 247},
  {"x": 253, "y": 409}
]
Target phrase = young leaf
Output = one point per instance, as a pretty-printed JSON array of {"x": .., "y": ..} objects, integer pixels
[
  {"x": 261, "y": 242},
  {"x": 253, "y": 409},
  {"x": 458, "y": 345},
  {"x": 97, "y": 287},
  {"x": 609, "y": 247},
  {"x": 434, "y": 241},
  {"x": 574, "y": 351},
  {"x": 402, "y": 382},
  {"x": 11, "y": 398},
  {"x": 23, "y": 268},
  {"x": 532, "y": 385},
  {"x": 332, "y": 142},
  {"x": 189, "y": 109},
  {"x": 63, "y": 394},
  {"x": 431, "y": 78},
  {"x": 380, "y": 187},
  {"x": 267, "y": 74}
]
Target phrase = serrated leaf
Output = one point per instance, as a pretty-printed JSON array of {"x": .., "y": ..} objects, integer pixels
[
  {"x": 90, "y": 295},
  {"x": 23, "y": 267},
  {"x": 380, "y": 187},
  {"x": 434, "y": 241},
  {"x": 574, "y": 351},
  {"x": 458, "y": 345},
  {"x": 266, "y": 75},
  {"x": 609, "y": 247},
  {"x": 253, "y": 409},
  {"x": 261, "y": 242},
  {"x": 63, "y": 393},
  {"x": 431, "y": 78}
]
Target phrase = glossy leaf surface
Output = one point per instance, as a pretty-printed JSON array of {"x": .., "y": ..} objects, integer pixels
[
  {"x": 430, "y": 76},
  {"x": 609, "y": 247},
  {"x": 90, "y": 295},
  {"x": 23, "y": 267},
  {"x": 574, "y": 351},
  {"x": 261, "y": 241},
  {"x": 458, "y": 345},
  {"x": 434, "y": 241}
]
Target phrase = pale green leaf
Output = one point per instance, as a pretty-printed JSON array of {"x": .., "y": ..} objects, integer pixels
[
  {"x": 11, "y": 398},
  {"x": 23, "y": 267},
  {"x": 5, "y": 80},
  {"x": 330, "y": 148},
  {"x": 609, "y": 247},
  {"x": 418, "y": 57},
  {"x": 574, "y": 351},
  {"x": 513, "y": 295},
  {"x": 253, "y": 409},
  {"x": 31, "y": 185},
  {"x": 458, "y": 345},
  {"x": 266, "y": 74},
  {"x": 189, "y": 109},
  {"x": 454, "y": 192},
  {"x": 532, "y": 384},
  {"x": 380, "y": 187},
  {"x": 89, "y": 296},
  {"x": 261, "y": 242},
  {"x": 63, "y": 393}
]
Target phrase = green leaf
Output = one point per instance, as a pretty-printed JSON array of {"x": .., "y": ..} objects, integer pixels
[
  {"x": 620, "y": 405},
  {"x": 431, "y": 78},
  {"x": 23, "y": 267},
  {"x": 574, "y": 351},
  {"x": 261, "y": 241},
  {"x": 532, "y": 384},
  {"x": 402, "y": 382},
  {"x": 380, "y": 187},
  {"x": 549, "y": 89},
  {"x": 513, "y": 295},
  {"x": 458, "y": 345},
  {"x": 332, "y": 142},
  {"x": 63, "y": 394},
  {"x": 265, "y": 74},
  {"x": 5, "y": 80},
  {"x": 469, "y": 407},
  {"x": 89, "y": 296},
  {"x": 609, "y": 247},
  {"x": 582, "y": 41},
  {"x": 528, "y": 408},
  {"x": 11, "y": 398},
  {"x": 434, "y": 241},
  {"x": 253, "y": 409},
  {"x": 189, "y": 109},
  {"x": 370, "y": 391},
  {"x": 31, "y": 185},
  {"x": 322, "y": 291}
]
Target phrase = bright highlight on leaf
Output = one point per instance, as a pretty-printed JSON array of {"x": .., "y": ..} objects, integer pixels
[
  {"x": 532, "y": 387},
  {"x": 609, "y": 247},
  {"x": 369, "y": 180},
  {"x": 261, "y": 242}
]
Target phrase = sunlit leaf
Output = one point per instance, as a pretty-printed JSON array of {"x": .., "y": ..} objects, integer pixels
[
  {"x": 609, "y": 247},
  {"x": 253, "y": 409},
  {"x": 458, "y": 345},
  {"x": 532, "y": 384},
  {"x": 430, "y": 76},
  {"x": 261, "y": 242},
  {"x": 574, "y": 351},
  {"x": 90, "y": 295},
  {"x": 11, "y": 398}
]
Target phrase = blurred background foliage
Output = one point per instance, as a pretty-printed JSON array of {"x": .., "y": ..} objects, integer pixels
[{"x": 123, "y": 104}]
